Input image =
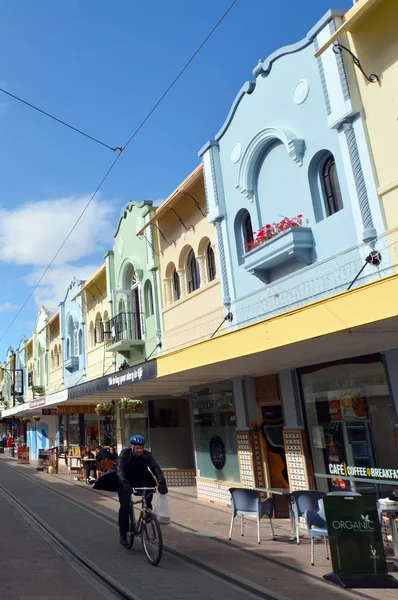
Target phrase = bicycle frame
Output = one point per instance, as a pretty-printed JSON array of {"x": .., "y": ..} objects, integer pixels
[{"x": 143, "y": 510}]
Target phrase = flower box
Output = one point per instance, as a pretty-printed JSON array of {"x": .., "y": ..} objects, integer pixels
[{"x": 295, "y": 243}]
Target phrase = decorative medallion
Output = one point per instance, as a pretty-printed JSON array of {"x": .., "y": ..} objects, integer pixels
[
  {"x": 217, "y": 452},
  {"x": 236, "y": 153},
  {"x": 301, "y": 91}
]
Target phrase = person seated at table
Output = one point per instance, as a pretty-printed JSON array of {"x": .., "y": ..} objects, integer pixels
[
  {"x": 89, "y": 465},
  {"x": 112, "y": 453},
  {"x": 102, "y": 454}
]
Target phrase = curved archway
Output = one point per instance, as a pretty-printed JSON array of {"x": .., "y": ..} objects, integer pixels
[
  {"x": 294, "y": 146},
  {"x": 324, "y": 186},
  {"x": 148, "y": 299}
]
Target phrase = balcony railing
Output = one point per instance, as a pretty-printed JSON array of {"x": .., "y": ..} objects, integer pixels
[{"x": 126, "y": 326}]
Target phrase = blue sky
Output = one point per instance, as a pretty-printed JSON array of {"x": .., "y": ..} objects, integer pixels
[{"x": 101, "y": 65}]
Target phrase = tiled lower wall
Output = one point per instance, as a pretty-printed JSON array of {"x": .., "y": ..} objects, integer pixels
[
  {"x": 180, "y": 478},
  {"x": 387, "y": 533},
  {"x": 214, "y": 491}
]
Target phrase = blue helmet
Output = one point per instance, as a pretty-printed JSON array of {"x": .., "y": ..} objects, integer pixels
[{"x": 137, "y": 440}]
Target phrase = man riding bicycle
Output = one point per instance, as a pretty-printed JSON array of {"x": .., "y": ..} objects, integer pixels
[{"x": 135, "y": 468}]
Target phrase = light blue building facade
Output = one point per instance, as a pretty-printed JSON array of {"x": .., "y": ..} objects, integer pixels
[
  {"x": 293, "y": 144},
  {"x": 73, "y": 336}
]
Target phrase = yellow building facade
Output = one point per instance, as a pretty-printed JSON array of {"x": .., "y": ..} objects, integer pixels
[
  {"x": 191, "y": 294},
  {"x": 369, "y": 29},
  {"x": 96, "y": 313},
  {"x": 55, "y": 380}
]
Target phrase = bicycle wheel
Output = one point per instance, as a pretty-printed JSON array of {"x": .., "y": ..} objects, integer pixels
[
  {"x": 152, "y": 539},
  {"x": 131, "y": 531}
]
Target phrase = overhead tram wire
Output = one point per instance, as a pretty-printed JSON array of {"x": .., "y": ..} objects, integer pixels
[
  {"x": 90, "y": 137},
  {"x": 105, "y": 177}
]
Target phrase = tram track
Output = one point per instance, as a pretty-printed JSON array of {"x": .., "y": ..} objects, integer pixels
[{"x": 114, "y": 587}]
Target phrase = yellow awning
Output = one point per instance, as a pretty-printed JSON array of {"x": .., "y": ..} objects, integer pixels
[
  {"x": 174, "y": 197},
  {"x": 91, "y": 280}
]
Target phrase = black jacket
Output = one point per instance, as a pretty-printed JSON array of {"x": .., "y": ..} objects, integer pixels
[
  {"x": 112, "y": 480},
  {"x": 138, "y": 470}
]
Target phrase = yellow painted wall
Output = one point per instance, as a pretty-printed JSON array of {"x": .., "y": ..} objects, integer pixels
[
  {"x": 374, "y": 40},
  {"x": 360, "y": 306},
  {"x": 99, "y": 362},
  {"x": 196, "y": 315},
  {"x": 55, "y": 361}
]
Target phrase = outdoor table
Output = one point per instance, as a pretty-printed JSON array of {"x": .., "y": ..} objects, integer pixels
[{"x": 391, "y": 508}]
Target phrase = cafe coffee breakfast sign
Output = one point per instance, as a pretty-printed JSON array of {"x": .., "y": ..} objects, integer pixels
[{"x": 345, "y": 470}]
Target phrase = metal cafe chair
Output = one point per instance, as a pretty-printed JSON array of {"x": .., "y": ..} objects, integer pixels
[{"x": 247, "y": 503}]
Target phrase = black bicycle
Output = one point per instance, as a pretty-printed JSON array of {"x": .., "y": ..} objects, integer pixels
[{"x": 147, "y": 526}]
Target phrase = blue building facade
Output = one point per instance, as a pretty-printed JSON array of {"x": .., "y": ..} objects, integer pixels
[
  {"x": 293, "y": 144},
  {"x": 73, "y": 336}
]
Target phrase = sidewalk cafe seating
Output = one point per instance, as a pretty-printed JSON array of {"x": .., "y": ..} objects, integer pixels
[
  {"x": 302, "y": 501},
  {"x": 104, "y": 466},
  {"x": 246, "y": 502},
  {"x": 316, "y": 526}
]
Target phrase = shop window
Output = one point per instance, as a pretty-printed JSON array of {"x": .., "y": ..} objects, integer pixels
[
  {"x": 148, "y": 297},
  {"x": 211, "y": 263},
  {"x": 215, "y": 434},
  {"x": 193, "y": 277},
  {"x": 170, "y": 432},
  {"x": 351, "y": 421},
  {"x": 176, "y": 286},
  {"x": 330, "y": 186}
]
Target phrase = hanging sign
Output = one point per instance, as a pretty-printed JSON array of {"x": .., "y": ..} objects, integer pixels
[{"x": 356, "y": 542}]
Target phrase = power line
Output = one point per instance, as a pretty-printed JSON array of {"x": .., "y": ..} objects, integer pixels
[
  {"x": 105, "y": 177},
  {"x": 59, "y": 120}
]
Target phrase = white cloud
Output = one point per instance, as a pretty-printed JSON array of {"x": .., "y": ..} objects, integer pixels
[
  {"x": 7, "y": 306},
  {"x": 52, "y": 290},
  {"x": 32, "y": 233}
]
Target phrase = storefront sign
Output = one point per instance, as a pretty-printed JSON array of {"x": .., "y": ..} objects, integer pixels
[
  {"x": 49, "y": 411},
  {"x": 356, "y": 542},
  {"x": 44, "y": 458},
  {"x": 139, "y": 373},
  {"x": 71, "y": 409},
  {"x": 37, "y": 403},
  {"x": 23, "y": 454},
  {"x": 346, "y": 471},
  {"x": 217, "y": 452}
]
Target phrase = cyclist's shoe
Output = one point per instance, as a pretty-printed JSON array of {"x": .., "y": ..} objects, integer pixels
[{"x": 123, "y": 540}]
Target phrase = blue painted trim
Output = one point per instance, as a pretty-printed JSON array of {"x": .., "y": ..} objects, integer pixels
[
  {"x": 206, "y": 147},
  {"x": 323, "y": 79},
  {"x": 264, "y": 67},
  {"x": 334, "y": 12},
  {"x": 247, "y": 88}
]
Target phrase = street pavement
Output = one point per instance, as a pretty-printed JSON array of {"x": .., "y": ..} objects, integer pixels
[{"x": 199, "y": 530}]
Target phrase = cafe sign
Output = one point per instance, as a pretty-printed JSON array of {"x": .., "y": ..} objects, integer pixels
[
  {"x": 72, "y": 409},
  {"x": 37, "y": 403},
  {"x": 356, "y": 542},
  {"x": 345, "y": 470}
]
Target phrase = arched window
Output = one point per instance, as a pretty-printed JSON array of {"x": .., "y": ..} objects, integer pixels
[
  {"x": 211, "y": 263},
  {"x": 99, "y": 329},
  {"x": 148, "y": 297},
  {"x": 59, "y": 355},
  {"x": 67, "y": 348},
  {"x": 176, "y": 285},
  {"x": 193, "y": 277},
  {"x": 91, "y": 335},
  {"x": 107, "y": 326},
  {"x": 247, "y": 231},
  {"x": 52, "y": 359},
  {"x": 330, "y": 186}
]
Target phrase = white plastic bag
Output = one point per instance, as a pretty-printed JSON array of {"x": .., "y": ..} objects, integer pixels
[{"x": 162, "y": 510}]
